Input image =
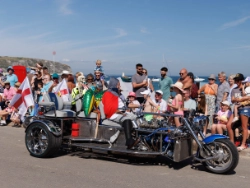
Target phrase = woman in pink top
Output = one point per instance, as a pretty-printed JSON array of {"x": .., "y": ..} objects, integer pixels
[
  {"x": 222, "y": 117},
  {"x": 8, "y": 92},
  {"x": 177, "y": 103}
]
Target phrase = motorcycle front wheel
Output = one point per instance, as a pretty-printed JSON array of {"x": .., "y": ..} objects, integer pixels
[{"x": 228, "y": 157}]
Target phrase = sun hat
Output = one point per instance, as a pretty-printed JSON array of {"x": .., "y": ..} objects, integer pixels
[
  {"x": 32, "y": 72},
  {"x": 212, "y": 76},
  {"x": 55, "y": 76},
  {"x": 225, "y": 103},
  {"x": 239, "y": 76},
  {"x": 65, "y": 72},
  {"x": 17, "y": 84},
  {"x": 131, "y": 94},
  {"x": 178, "y": 85},
  {"x": 246, "y": 80},
  {"x": 159, "y": 91},
  {"x": 6, "y": 82},
  {"x": 146, "y": 92},
  {"x": 10, "y": 67}
]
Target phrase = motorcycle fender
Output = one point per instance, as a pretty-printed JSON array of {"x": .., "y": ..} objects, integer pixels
[
  {"x": 214, "y": 137},
  {"x": 50, "y": 125}
]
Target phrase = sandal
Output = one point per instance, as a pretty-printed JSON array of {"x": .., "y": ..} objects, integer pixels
[{"x": 241, "y": 148}]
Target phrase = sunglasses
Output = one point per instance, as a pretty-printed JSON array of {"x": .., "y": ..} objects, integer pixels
[
  {"x": 210, "y": 79},
  {"x": 181, "y": 73},
  {"x": 90, "y": 79}
]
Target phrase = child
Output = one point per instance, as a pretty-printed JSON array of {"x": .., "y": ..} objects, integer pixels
[
  {"x": 99, "y": 68},
  {"x": 133, "y": 104},
  {"x": 38, "y": 96},
  {"x": 15, "y": 118},
  {"x": 4, "y": 113},
  {"x": 222, "y": 117},
  {"x": 246, "y": 92}
]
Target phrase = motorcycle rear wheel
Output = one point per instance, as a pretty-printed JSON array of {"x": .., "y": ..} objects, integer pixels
[{"x": 228, "y": 157}]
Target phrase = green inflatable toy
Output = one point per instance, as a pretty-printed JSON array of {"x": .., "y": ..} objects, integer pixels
[
  {"x": 88, "y": 102},
  {"x": 98, "y": 98}
]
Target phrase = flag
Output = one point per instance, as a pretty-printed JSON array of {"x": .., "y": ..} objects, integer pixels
[
  {"x": 62, "y": 90},
  {"x": 23, "y": 98}
]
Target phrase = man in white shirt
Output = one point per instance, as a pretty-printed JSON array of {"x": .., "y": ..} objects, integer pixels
[
  {"x": 162, "y": 104},
  {"x": 189, "y": 104}
]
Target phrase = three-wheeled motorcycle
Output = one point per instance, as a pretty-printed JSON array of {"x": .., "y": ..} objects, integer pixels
[{"x": 56, "y": 126}]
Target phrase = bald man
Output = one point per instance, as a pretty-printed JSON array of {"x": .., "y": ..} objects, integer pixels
[{"x": 185, "y": 79}]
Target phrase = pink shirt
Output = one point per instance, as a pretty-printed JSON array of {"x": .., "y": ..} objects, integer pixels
[
  {"x": 8, "y": 94},
  {"x": 224, "y": 115}
]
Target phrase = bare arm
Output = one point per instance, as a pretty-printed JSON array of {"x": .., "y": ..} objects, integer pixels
[
  {"x": 188, "y": 84},
  {"x": 151, "y": 87},
  {"x": 202, "y": 89},
  {"x": 143, "y": 84},
  {"x": 241, "y": 99}
]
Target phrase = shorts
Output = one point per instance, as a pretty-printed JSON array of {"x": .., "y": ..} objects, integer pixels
[
  {"x": 245, "y": 111},
  {"x": 148, "y": 117}
]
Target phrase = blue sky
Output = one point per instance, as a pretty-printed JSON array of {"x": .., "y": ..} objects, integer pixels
[{"x": 203, "y": 36}]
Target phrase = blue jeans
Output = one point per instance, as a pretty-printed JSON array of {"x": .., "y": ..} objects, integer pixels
[{"x": 244, "y": 111}]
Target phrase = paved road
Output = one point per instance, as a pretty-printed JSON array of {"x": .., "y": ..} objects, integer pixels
[{"x": 19, "y": 169}]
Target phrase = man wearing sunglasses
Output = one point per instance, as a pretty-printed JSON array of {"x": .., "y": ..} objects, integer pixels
[
  {"x": 185, "y": 79},
  {"x": 139, "y": 83}
]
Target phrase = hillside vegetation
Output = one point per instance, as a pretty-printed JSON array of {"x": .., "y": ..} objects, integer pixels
[{"x": 6, "y": 61}]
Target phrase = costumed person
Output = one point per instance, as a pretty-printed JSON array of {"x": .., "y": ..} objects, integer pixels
[
  {"x": 111, "y": 103},
  {"x": 78, "y": 91}
]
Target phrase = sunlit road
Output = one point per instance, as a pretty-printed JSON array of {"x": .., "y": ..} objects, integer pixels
[{"x": 19, "y": 169}]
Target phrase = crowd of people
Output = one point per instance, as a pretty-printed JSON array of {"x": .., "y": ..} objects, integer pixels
[{"x": 225, "y": 103}]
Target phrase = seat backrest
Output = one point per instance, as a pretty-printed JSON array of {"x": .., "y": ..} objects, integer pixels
[
  {"x": 101, "y": 108},
  {"x": 57, "y": 100},
  {"x": 46, "y": 98},
  {"x": 78, "y": 103}
]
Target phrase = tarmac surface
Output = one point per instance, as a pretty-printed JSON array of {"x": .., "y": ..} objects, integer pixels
[{"x": 19, "y": 169}]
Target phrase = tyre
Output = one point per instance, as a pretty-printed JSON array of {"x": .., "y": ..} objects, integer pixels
[
  {"x": 228, "y": 157},
  {"x": 40, "y": 142}
]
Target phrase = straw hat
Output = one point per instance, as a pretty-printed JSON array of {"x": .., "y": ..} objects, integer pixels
[{"x": 178, "y": 85}]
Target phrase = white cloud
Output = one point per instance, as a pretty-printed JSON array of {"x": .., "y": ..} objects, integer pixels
[
  {"x": 64, "y": 7},
  {"x": 234, "y": 23},
  {"x": 246, "y": 47},
  {"x": 121, "y": 32},
  {"x": 144, "y": 30}
]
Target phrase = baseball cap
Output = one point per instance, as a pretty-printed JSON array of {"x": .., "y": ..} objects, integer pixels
[
  {"x": 146, "y": 92},
  {"x": 239, "y": 76},
  {"x": 55, "y": 76},
  {"x": 159, "y": 91},
  {"x": 65, "y": 72},
  {"x": 247, "y": 79},
  {"x": 225, "y": 103}
]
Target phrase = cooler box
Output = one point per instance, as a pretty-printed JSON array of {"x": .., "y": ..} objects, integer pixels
[{"x": 20, "y": 72}]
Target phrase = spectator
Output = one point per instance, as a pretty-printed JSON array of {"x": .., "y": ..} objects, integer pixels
[
  {"x": 202, "y": 109},
  {"x": 55, "y": 78},
  {"x": 150, "y": 86},
  {"x": 9, "y": 91},
  {"x": 17, "y": 85},
  {"x": 38, "y": 93},
  {"x": 46, "y": 85},
  {"x": 133, "y": 104},
  {"x": 30, "y": 74},
  {"x": 11, "y": 77},
  {"x": 90, "y": 84},
  {"x": 177, "y": 103},
  {"x": 185, "y": 79},
  {"x": 222, "y": 117},
  {"x": 71, "y": 83},
  {"x": 39, "y": 67},
  {"x": 16, "y": 118},
  {"x": 210, "y": 91},
  {"x": 139, "y": 83},
  {"x": 194, "y": 89},
  {"x": 5, "y": 113},
  {"x": 99, "y": 80},
  {"x": 45, "y": 71},
  {"x": 223, "y": 89},
  {"x": 165, "y": 83},
  {"x": 149, "y": 105},
  {"x": 65, "y": 75},
  {"x": 2, "y": 80},
  {"x": 161, "y": 103},
  {"x": 189, "y": 104},
  {"x": 37, "y": 78},
  {"x": 244, "y": 112},
  {"x": 232, "y": 86}
]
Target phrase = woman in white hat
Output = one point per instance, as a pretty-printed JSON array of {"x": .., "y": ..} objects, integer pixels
[
  {"x": 178, "y": 102},
  {"x": 222, "y": 117}
]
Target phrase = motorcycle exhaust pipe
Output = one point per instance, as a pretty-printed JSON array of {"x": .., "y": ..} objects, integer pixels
[{"x": 206, "y": 159}]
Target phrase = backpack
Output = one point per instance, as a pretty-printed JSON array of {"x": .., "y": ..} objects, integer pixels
[{"x": 194, "y": 91}]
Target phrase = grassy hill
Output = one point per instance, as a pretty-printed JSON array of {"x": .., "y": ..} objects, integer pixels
[{"x": 6, "y": 61}]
